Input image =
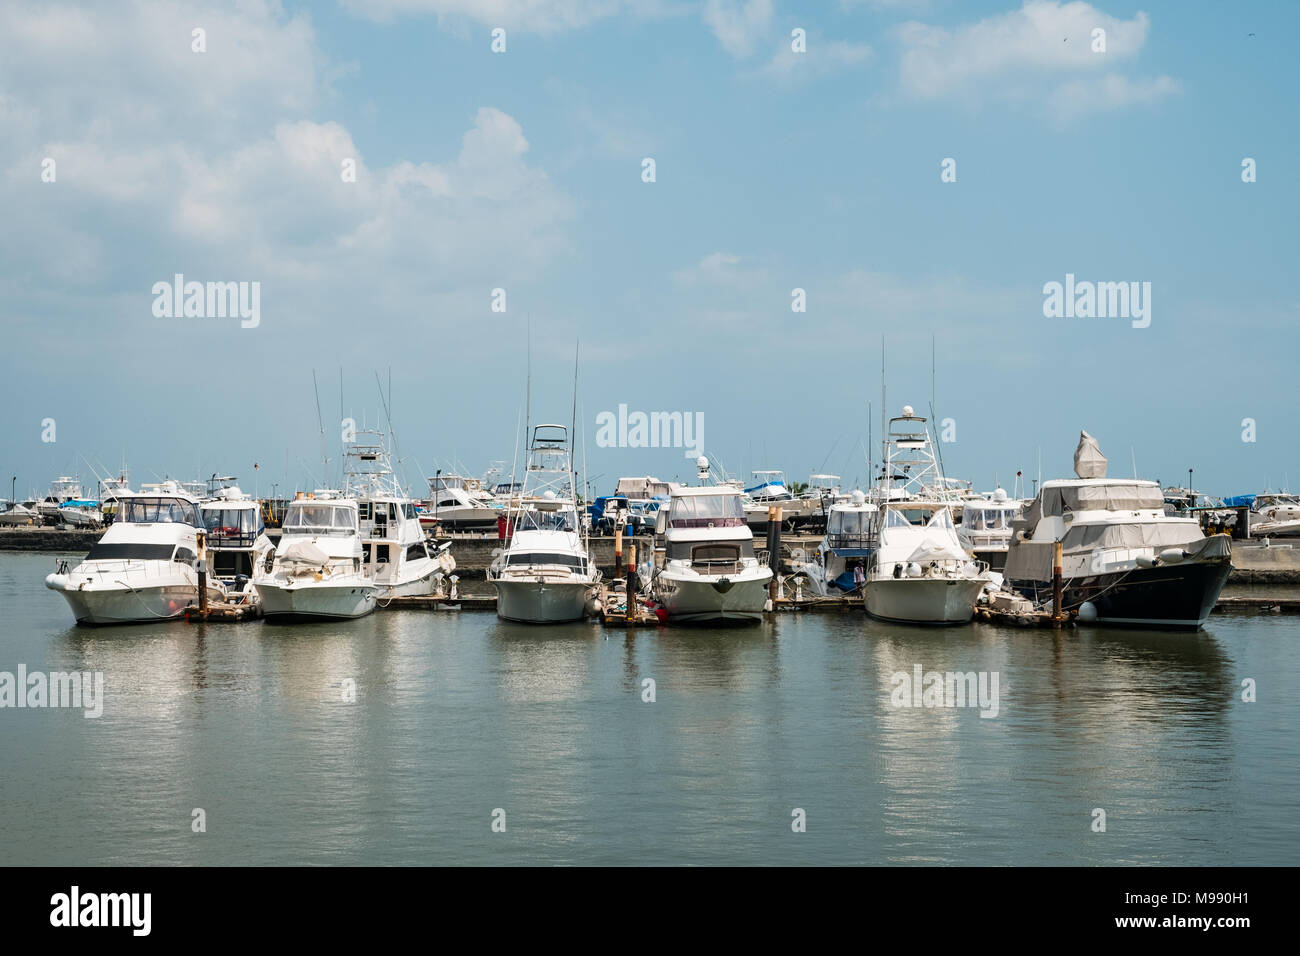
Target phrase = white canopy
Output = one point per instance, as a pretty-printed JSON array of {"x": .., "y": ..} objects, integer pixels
[{"x": 936, "y": 541}]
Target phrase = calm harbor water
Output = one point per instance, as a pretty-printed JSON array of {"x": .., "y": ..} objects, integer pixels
[{"x": 457, "y": 714}]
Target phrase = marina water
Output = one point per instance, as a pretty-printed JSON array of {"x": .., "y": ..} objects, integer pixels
[{"x": 458, "y": 714}]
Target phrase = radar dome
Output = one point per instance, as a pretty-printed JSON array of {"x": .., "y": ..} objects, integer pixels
[{"x": 907, "y": 411}]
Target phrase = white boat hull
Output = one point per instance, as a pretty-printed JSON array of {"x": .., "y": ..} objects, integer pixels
[
  {"x": 546, "y": 602},
  {"x": 81, "y": 519},
  {"x": 316, "y": 600},
  {"x": 99, "y": 604},
  {"x": 418, "y": 579},
  {"x": 121, "y": 606},
  {"x": 415, "y": 587},
  {"x": 923, "y": 600},
  {"x": 710, "y": 599}
]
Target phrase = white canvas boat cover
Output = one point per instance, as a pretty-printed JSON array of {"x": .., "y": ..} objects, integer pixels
[
  {"x": 1110, "y": 496},
  {"x": 1089, "y": 462},
  {"x": 304, "y": 552},
  {"x": 1032, "y": 560}
]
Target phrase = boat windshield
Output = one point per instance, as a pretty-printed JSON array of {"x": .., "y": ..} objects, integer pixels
[
  {"x": 232, "y": 521},
  {"x": 895, "y": 518},
  {"x": 158, "y": 511},
  {"x": 533, "y": 520},
  {"x": 850, "y": 522},
  {"x": 316, "y": 518},
  {"x": 695, "y": 510},
  {"x": 446, "y": 483},
  {"x": 987, "y": 519}
]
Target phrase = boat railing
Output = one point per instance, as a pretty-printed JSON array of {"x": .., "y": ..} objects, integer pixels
[
  {"x": 838, "y": 542},
  {"x": 706, "y": 566},
  {"x": 112, "y": 569},
  {"x": 243, "y": 539}
]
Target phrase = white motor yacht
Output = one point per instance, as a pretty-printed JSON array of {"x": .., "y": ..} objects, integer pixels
[
  {"x": 545, "y": 574},
  {"x": 1124, "y": 560},
  {"x": 710, "y": 573},
  {"x": 316, "y": 571},
  {"x": 237, "y": 543},
  {"x": 850, "y": 540},
  {"x": 920, "y": 573},
  {"x": 457, "y": 503},
  {"x": 17, "y": 514},
  {"x": 62, "y": 489},
  {"x": 985, "y": 528},
  {"x": 1275, "y": 515},
  {"x": 142, "y": 569},
  {"x": 80, "y": 513},
  {"x": 394, "y": 550}
]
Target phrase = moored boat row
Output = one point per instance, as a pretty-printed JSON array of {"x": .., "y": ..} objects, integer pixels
[{"x": 917, "y": 548}]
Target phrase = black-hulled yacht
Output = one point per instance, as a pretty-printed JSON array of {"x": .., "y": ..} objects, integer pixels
[{"x": 1124, "y": 560}]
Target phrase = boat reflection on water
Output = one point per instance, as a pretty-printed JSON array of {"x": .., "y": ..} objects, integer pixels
[
  {"x": 1110, "y": 710},
  {"x": 549, "y": 665}
]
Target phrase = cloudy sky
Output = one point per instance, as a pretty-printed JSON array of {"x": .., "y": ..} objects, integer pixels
[{"x": 522, "y": 170}]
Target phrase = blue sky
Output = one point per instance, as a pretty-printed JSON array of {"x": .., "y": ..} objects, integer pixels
[{"x": 774, "y": 170}]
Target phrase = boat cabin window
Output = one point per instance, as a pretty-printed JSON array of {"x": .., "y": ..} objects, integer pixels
[
  {"x": 695, "y": 551},
  {"x": 158, "y": 511},
  {"x": 543, "y": 558},
  {"x": 363, "y": 510},
  {"x": 408, "y": 510},
  {"x": 319, "y": 518},
  {"x": 183, "y": 556},
  {"x": 416, "y": 551},
  {"x": 130, "y": 551}
]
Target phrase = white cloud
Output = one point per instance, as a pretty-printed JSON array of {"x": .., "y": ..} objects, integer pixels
[
  {"x": 129, "y": 71},
  {"x": 717, "y": 270},
  {"x": 1112, "y": 91},
  {"x": 820, "y": 58},
  {"x": 1021, "y": 54},
  {"x": 738, "y": 24},
  {"x": 534, "y": 16},
  {"x": 168, "y": 161}
]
